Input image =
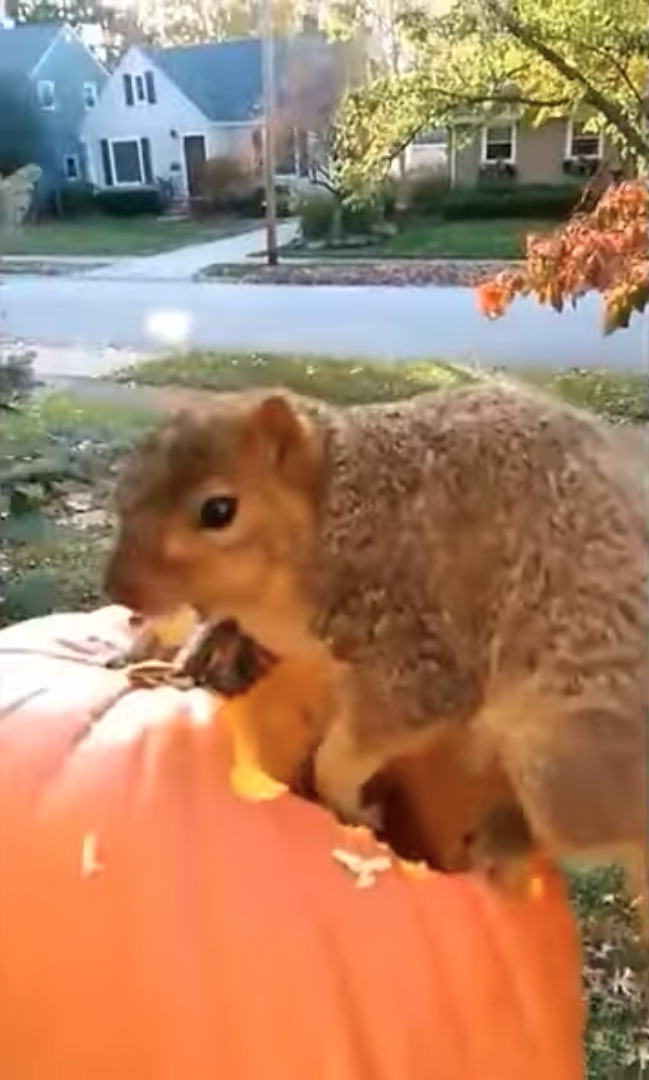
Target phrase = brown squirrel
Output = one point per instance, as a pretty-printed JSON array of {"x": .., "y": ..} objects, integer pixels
[{"x": 473, "y": 557}]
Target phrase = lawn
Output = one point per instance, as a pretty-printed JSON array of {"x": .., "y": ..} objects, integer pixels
[
  {"x": 61, "y": 457},
  {"x": 107, "y": 236},
  {"x": 617, "y": 397},
  {"x": 58, "y": 566},
  {"x": 499, "y": 238}
]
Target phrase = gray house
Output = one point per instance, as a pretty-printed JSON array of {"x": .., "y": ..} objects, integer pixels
[
  {"x": 548, "y": 154},
  {"x": 49, "y": 82}
]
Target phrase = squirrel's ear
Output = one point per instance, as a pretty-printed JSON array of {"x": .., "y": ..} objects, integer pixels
[
  {"x": 276, "y": 420},
  {"x": 287, "y": 440}
]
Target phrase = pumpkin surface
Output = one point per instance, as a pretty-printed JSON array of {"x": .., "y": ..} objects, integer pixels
[{"x": 156, "y": 925}]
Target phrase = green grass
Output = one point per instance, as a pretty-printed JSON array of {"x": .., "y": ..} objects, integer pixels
[
  {"x": 430, "y": 239},
  {"x": 106, "y": 236},
  {"x": 616, "y": 974},
  {"x": 347, "y": 382},
  {"x": 43, "y": 420},
  {"x": 616, "y": 396},
  {"x": 54, "y": 560}
]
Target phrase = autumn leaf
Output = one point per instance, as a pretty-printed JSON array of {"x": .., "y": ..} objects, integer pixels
[{"x": 604, "y": 251}]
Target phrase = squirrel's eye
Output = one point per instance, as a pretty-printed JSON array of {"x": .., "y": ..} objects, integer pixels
[{"x": 218, "y": 512}]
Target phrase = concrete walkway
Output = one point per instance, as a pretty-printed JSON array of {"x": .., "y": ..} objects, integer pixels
[{"x": 184, "y": 263}]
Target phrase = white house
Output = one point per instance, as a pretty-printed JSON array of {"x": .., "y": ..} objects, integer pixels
[{"x": 164, "y": 111}]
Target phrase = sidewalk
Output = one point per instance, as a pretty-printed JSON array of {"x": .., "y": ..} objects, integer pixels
[{"x": 184, "y": 263}]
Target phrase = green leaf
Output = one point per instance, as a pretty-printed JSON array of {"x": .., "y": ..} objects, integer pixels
[
  {"x": 36, "y": 593},
  {"x": 21, "y": 502},
  {"x": 24, "y": 528}
]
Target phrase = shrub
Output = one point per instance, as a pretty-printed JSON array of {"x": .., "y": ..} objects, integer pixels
[
  {"x": 423, "y": 191},
  {"x": 229, "y": 183},
  {"x": 505, "y": 200},
  {"x": 74, "y": 200},
  {"x": 131, "y": 202},
  {"x": 284, "y": 200},
  {"x": 316, "y": 212}
]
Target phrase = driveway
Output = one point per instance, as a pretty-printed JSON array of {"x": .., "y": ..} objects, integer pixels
[{"x": 392, "y": 323}]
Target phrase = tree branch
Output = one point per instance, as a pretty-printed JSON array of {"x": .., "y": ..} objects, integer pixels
[
  {"x": 612, "y": 112},
  {"x": 621, "y": 70}
]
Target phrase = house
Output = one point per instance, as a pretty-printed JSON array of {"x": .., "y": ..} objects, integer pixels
[
  {"x": 49, "y": 82},
  {"x": 506, "y": 145},
  {"x": 164, "y": 111}
]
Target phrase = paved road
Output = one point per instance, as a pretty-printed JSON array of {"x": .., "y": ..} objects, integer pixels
[{"x": 400, "y": 323}]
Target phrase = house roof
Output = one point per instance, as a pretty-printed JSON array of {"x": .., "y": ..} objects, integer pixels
[
  {"x": 21, "y": 47},
  {"x": 224, "y": 79}
]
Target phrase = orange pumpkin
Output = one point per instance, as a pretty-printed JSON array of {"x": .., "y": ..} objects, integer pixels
[{"x": 155, "y": 925}]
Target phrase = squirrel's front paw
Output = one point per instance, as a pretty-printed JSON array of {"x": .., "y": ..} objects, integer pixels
[
  {"x": 158, "y": 638},
  {"x": 502, "y": 848},
  {"x": 351, "y": 810}
]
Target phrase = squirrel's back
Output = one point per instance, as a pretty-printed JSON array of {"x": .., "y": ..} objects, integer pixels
[{"x": 497, "y": 509}]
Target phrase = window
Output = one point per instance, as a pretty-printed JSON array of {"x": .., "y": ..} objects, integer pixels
[
  {"x": 150, "y": 87},
  {"x": 106, "y": 163},
  {"x": 499, "y": 142},
  {"x": 127, "y": 161},
  {"x": 90, "y": 95},
  {"x": 139, "y": 89},
  {"x": 147, "y": 164},
  {"x": 46, "y": 95},
  {"x": 71, "y": 167},
  {"x": 582, "y": 143}
]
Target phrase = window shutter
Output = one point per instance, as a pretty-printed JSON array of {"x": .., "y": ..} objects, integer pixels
[
  {"x": 106, "y": 162},
  {"x": 128, "y": 89},
  {"x": 147, "y": 165},
  {"x": 150, "y": 87}
]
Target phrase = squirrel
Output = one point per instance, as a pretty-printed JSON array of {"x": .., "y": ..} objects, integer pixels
[{"x": 475, "y": 556}]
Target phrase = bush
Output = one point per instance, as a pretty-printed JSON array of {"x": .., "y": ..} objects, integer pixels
[
  {"x": 130, "y": 202},
  {"x": 230, "y": 184},
  {"x": 501, "y": 200},
  {"x": 316, "y": 212},
  {"x": 362, "y": 214},
  {"x": 74, "y": 200},
  {"x": 424, "y": 191},
  {"x": 284, "y": 200}
]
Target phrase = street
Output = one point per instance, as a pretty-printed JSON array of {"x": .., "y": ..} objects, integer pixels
[{"x": 391, "y": 323}]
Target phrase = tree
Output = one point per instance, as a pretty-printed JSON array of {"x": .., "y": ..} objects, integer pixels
[
  {"x": 604, "y": 250},
  {"x": 198, "y": 21},
  {"x": 542, "y": 59},
  {"x": 21, "y": 125},
  {"x": 317, "y": 75},
  {"x": 119, "y": 27}
]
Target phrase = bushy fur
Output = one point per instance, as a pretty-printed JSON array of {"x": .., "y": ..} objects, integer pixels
[{"x": 476, "y": 556}]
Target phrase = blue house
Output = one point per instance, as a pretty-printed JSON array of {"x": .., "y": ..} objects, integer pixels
[{"x": 49, "y": 82}]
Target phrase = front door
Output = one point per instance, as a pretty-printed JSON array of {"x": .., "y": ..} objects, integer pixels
[{"x": 194, "y": 148}]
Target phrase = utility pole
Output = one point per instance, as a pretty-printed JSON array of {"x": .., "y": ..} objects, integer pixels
[{"x": 268, "y": 97}]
